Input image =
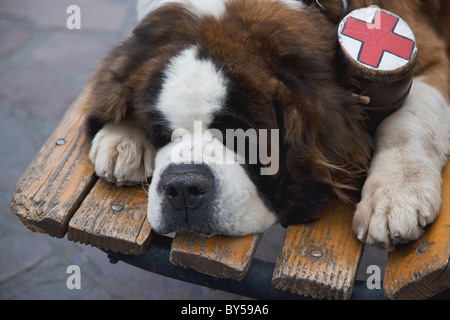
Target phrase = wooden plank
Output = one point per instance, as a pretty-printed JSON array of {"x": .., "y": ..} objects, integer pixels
[
  {"x": 218, "y": 256},
  {"x": 320, "y": 259},
  {"x": 113, "y": 218},
  {"x": 58, "y": 179},
  {"x": 421, "y": 269}
]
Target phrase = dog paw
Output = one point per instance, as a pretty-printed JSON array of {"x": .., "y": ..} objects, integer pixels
[
  {"x": 122, "y": 154},
  {"x": 392, "y": 213}
]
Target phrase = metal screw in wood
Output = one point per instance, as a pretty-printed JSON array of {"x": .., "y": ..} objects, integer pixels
[
  {"x": 117, "y": 207},
  {"x": 316, "y": 253},
  {"x": 60, "y": 142}
]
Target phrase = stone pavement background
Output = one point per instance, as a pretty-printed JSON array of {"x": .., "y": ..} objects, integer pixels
[{"x": 43, "y": 66}]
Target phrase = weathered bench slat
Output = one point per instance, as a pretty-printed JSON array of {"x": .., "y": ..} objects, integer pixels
[
  {"x": 53, "y": 186},
  {"x": 421, "y": 269},
  {"x": 113, "y": 218},
  {"x": 320, "y": 259},
  {"x": 218, "y": 256}
]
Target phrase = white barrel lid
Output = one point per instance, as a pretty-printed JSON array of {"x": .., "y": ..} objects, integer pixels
[{"x": 377, "y": 39}]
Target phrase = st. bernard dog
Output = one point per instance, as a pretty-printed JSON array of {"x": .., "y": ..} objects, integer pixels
[{"x": 163, "y": 102}]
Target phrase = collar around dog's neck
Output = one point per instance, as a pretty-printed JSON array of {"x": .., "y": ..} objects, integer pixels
[{"x": 345, "y": 5}]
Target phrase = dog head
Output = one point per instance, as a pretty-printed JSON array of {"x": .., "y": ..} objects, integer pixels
[{"x": 242, "y": 101}]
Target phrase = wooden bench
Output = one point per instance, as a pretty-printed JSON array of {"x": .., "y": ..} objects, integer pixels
[{"x": 59, "y": 194}]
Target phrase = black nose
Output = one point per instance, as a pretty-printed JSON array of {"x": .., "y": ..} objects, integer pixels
[{"x": 187, "y": 186}]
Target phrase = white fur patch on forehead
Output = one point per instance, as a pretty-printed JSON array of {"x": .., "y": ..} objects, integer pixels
[
  {"x": 200, "y": 7},
  {"x": 193, "y": 89},
  {"x": 210, "y": 7},
  {"x": 294, "y": 4}
]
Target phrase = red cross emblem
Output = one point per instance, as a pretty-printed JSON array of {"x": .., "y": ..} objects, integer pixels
[{"x": 378, "y": 38}]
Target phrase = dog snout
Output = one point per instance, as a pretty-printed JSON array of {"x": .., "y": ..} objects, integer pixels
[{"x": 187, "y": 186}]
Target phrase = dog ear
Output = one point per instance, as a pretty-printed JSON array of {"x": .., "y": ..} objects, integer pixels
[
  {"x": 326, "y": 149},
  {"x": 121, "y": 82},
  {"x": 109, "y": 96}
]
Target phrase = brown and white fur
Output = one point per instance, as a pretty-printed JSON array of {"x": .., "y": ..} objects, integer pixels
[{"x": 269, "y": 64}]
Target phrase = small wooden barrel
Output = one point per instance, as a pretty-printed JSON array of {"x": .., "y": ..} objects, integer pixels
[{"x": 379, "y": 51}]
